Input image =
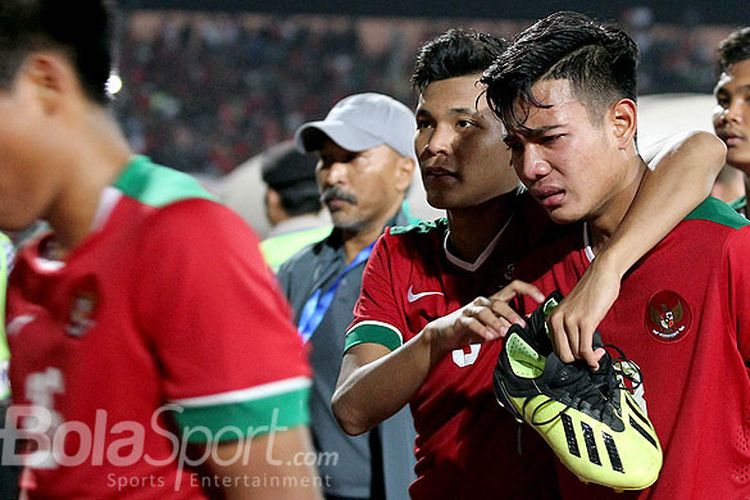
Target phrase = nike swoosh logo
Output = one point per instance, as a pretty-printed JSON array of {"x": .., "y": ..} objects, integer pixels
[{"x": 412, "y": 297}]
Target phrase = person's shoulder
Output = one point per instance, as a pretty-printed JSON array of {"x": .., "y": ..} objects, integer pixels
[
  {"x": 302, "y": 256},
  {"x": 165, "y": 201},
  {"x": 715, "y": 227},
  {"x": 304, "y": 259},
  {"x": 715, "y": 211},
  {"x": 417, "y": 240},
  {"x": 278, "y": 249},
  {"x": 417, "y": 233},
  {"x": 158, "y": 186}
]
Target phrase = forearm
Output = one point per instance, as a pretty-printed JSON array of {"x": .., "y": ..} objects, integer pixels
[
  {"x": 375, "y": 383},
  {"x": 683, "y": 177},
  {"x": 371, "y": 390},
  {"x": 238, "y": 467}
]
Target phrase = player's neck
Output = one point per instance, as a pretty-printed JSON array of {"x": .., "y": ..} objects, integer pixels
[
  {"x": 472, "y": 228},
  {"x": 731, "y": 184},
  {"x": 610, "y": 215},
  {"x": 91, "y": 163}
]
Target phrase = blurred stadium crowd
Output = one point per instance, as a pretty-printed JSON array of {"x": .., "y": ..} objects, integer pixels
[{"x": 204, "y": 92}]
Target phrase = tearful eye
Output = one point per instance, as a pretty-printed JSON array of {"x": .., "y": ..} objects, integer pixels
[{"x": 549, "y": 139}]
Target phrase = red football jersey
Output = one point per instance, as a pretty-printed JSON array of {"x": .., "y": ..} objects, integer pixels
[
  {"x": 467, "y": 446},
  {"x": 683, "y": 316},
  {"x": 162, "y": 327}
]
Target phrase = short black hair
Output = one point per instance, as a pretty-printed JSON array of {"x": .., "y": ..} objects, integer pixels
[
  {"x": 455, "y": 53},
  {"x": 82, "y": 30},
  {"x": 292, "y": 175},
  {"x": 598, "y": 60},
  {"x": 733, "y": 49}
]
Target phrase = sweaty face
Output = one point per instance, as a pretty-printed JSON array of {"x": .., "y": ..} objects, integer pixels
[
  {"x": 462, "y": 158},
  {"x": 732, "y": 114},
  {"x": 564, "y": 160},
  {"x": 360, "y": 188}
]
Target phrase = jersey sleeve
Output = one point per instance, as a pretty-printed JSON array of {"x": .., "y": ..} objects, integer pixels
[
  {"x": 218, "y": 326},
  {"x": 377, "y": 317},
  {"x": 736, "y": 274}
]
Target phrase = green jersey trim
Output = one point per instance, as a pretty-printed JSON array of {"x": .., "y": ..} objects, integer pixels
[
  {"x": 421, "y": 227},
  {"x": 406, "y": 212},
  {"x": 249, "y": 394},
  {"x": 715, "y": 210},
  {"x": 739, "y": 204},
  {"x": 373, "y": 332},
  {"x": 277, "y": 406},
  {"x": 157, "y": 186}
]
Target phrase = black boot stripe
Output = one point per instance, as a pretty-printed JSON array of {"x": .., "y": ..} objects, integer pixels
[
  {"x": 588, "y": 436},
  {"x": 570, "y": 435},
  {"x": 643, "y": 432},
  {"x": 614, "y": 455},
  {"x": 635, "y": 409}
]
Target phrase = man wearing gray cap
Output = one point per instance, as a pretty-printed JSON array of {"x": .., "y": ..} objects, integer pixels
[{"x": 365, "y": 164}]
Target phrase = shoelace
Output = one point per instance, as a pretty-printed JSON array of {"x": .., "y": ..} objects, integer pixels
[
  {"x": 582, "y": 387},
  {"x": 611, "y": 378},
  {"x": 598, "y": 388}
]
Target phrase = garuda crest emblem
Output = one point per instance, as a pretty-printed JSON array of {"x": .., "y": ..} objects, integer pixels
[{"x": 667, "y": 316}]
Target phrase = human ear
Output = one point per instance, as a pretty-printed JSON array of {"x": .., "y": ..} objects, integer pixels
[
  {"x": 624, "y": 122},
  {"x": 51, "y": 76},
  {"x": 404, "y": 172}
]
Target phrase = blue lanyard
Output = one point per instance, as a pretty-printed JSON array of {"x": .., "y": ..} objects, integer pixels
[{"x": 319, "y": 302}]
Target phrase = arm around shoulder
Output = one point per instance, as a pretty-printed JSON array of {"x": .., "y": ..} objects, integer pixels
[{"x": 684, "y": 170}]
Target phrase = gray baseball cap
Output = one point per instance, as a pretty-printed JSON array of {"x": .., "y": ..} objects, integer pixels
[{"x": 360, "y": 122}]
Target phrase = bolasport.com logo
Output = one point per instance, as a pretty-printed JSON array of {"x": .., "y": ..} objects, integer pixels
[{"x": 35, "y": 437}]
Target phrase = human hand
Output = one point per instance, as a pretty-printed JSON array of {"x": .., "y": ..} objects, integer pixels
[
  {"x": 502, "y": 298},
  {"x": 574, "y": 321},
  {"x": 483, "y": 319}
]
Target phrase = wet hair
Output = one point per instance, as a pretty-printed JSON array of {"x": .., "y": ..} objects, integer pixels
[
  {"x": 733, "y": 49},
  {"x": 598, "y": 60},
  {"x": 82, "y": 30},
  {"x": 453, "y": 54}
]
